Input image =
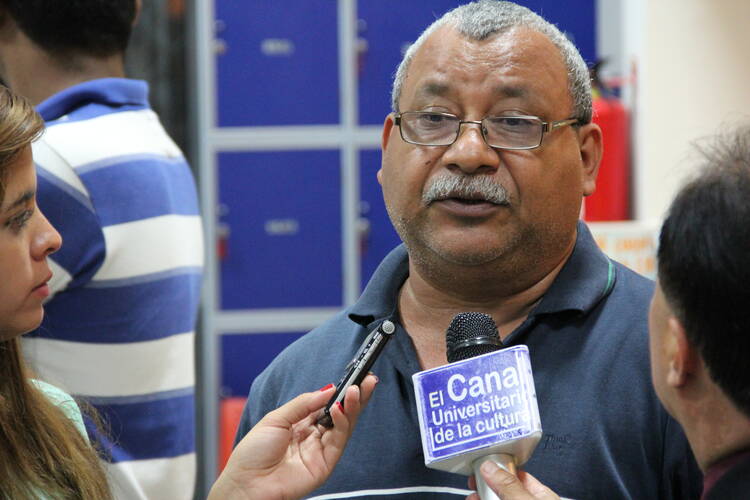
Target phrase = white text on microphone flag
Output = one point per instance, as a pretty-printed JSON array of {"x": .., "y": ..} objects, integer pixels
[{"x": 468, "y": 407}]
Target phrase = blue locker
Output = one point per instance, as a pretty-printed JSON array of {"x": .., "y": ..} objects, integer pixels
[
  {"x": 282, "y": 214},
  {"x": 246, "y": 355},
  {"x": 377, "y": 233},
  {"x": 277, "y": 62},
  {"x": 387, "y": 27}
]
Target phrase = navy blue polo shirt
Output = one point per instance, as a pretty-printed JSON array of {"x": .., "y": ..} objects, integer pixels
[{"x": 606, "y": 436}]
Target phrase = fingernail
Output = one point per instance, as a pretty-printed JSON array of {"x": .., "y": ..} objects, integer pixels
[
  {"x": 341, "y": 407},
  {"x": 488, "y": 467},
  {"x": 325, "y": 388},
  {"x": 376, "y": 377}
]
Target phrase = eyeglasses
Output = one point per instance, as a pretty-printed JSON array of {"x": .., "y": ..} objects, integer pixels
[{"x": 426, "y": 128}]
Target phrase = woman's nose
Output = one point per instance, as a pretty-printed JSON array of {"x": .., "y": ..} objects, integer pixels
[{"x": 47, "y": 240}]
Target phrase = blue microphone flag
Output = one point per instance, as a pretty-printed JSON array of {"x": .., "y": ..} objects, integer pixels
[{"x": 470, "y": 407}]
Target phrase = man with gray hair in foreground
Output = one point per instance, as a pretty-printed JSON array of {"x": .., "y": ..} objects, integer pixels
[
  {"x": 487, "y": 155},
  {"x": 698, "y": 323}
]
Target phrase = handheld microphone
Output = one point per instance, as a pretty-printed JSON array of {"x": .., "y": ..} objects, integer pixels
[
  {"x": 481, "y": 406},
  {"x": 357, "y": 369}
]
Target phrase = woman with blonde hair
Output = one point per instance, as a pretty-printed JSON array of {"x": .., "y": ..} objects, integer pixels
[{"x": 44, "y": 451}]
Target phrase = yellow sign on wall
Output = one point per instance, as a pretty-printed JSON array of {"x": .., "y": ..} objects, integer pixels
[{"x": 633, "y": 244}]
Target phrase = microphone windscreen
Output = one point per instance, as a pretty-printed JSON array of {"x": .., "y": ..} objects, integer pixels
[{"x": 471, "y": 334}]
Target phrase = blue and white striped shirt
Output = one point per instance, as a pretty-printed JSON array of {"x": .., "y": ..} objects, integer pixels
[{"x": 119, "y": 329}]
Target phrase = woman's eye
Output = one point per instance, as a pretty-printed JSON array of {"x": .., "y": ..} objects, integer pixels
[{"x": 19, "y": 221}]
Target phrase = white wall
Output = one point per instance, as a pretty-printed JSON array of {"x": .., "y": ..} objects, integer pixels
[{"x": 693, "y": 76}]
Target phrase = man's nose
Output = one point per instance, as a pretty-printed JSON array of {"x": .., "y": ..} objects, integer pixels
[{"x": 470, "y": 152}]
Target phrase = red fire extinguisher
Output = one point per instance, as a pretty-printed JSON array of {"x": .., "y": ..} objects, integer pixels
[{"x": 611, "y": 201}]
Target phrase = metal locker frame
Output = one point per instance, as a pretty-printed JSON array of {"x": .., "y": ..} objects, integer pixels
[{"x": 207, "y": 140}]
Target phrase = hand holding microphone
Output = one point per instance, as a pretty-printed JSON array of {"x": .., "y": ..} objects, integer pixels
[
  {"x": 481, "y": 406},
  {"x": 523, "y": 486}
]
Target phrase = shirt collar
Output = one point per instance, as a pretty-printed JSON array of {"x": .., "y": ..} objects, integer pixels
[
  {"x": 586, "y": 278},
  {"x": 112, "y": 91},
  {"x": 380, "y": 298}
]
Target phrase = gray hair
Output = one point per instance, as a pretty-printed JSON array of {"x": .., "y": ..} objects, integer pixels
[{"x": 482, "y": 19}]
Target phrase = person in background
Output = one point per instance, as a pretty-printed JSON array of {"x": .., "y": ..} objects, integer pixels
[
  {"x": 119, "y": 328},
  {"x": 698, "y": 323},
  {"x": 487, "y": 156}
]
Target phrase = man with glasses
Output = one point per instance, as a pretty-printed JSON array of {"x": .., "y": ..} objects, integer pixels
[{"x": 486, "y": 158}]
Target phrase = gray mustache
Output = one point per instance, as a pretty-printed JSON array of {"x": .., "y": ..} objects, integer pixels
[{"x": 465, "y": 186}]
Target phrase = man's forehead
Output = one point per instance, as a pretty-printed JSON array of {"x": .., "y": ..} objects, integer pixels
[
  {"x": 512, "y": 45},
  {"x": 527, "y": 56},
  {"x": 443, "y": 87}
]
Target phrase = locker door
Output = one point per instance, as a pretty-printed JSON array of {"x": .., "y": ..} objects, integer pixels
[
  {"x": 282, "y": 211},
  {"x": 246, "y": 355},
  {"x": 277, "y": 63}
]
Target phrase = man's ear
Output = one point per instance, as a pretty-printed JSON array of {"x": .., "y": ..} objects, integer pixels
[
  {"x": 683, "y": 357},
  {"x": 591, "y": 147},
  {"x": 387, "y": 127}
]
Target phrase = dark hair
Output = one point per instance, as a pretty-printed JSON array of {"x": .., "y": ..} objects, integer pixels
[
  {"x": 703, "y": 261},
  {"x": 75, "y": 27}
]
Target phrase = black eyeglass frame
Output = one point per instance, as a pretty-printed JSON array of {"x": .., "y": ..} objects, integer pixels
[{"x": 546, "y": 128}]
